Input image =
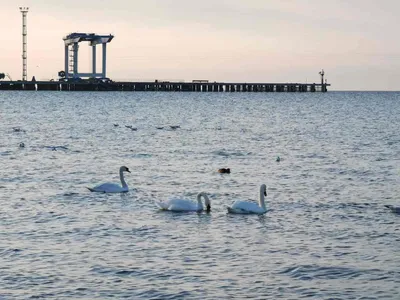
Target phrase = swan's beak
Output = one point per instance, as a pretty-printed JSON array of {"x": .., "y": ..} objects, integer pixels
[
  {"x": 128, "y": 170},
  {"x": 208, "y": 208},
  {"x": 265, "y": 193}
]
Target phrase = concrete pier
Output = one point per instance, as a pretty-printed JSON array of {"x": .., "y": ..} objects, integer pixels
[{"x": 164, "y": 86}]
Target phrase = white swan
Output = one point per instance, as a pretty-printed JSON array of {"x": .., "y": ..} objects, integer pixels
[
  {"x": 112, "y": 187},
  {"x": 186, "y": 205},
  {"x": 246, "y": 207}
]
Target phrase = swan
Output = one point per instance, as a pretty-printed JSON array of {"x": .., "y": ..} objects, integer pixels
[
  {"x": 246, "y": 207},
  {"x": 186, "y": 205},
  {"x": 112, "y": 187},
  {"x": 394, "y": 209}
]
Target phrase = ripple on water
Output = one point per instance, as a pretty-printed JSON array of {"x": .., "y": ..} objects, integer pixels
[{"x": 327, "y": 234}]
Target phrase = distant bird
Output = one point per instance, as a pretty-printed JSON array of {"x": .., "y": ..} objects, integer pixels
[
  {"x": 128, "y": 126},
  {"x": 160, "y": 127},
  {"x": 224, "y": 170},
  {"x": 17, "y": 129},
  {"x": 22, "y": 145},
  {"x": 112, "y": 187},
  {"x": 55, "y": 148},
  {"x": 133, "y": 128},
  {"x": 247, "y": 207},
  {"x": 174, "y": 127},
  {"x": 278, "y": 159},
  {"x": 394, "y": 209},
  {"x": 116, "y": 125}
]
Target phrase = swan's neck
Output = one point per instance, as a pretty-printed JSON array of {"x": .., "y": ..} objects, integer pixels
[
  {"x": 121, "y": 176},
  {"x": 262, "y": 199},
  {"x": 199, "y": 203}
]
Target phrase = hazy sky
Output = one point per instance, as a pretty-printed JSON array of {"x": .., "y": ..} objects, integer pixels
[{"x": 356, "y": 42}]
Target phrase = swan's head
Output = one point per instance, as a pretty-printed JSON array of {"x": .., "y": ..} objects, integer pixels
[
  {"x": 207, "y": 201},
  {"x": 263, "y": 189},
  {"x": 124, "y": 169}
]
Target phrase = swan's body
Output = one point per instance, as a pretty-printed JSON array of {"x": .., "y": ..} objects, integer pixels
[
  {"x": 186, "y": 205},
  {"x": 246, "y": 207},
  {"x": 394, "y": 209},
  {"x": 112, "y": 187}
]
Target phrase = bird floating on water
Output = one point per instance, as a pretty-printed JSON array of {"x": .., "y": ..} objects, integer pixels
[
  {"x": 246, "y": 207},
  {"x": 224, "y": 170},
  {"x": 22, "y": 145},
  {"x": 181, "y": 205},
  {"x": 278, "y": 159},
  {"x": 112, "y": 187},
  {"x": 18, "y": 129}
]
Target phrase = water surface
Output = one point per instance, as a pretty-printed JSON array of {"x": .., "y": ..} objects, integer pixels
[{"x": 326, "y": 235}]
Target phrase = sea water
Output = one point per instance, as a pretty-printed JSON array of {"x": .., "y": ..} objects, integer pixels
[{"x": 326, "y": 235}]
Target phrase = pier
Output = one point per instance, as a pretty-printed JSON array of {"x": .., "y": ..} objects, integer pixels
[
  {"x": 71, "y": 79},
  {"x": 163, "y": 86}
]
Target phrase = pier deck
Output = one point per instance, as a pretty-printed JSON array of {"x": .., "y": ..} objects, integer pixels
[{"x": 163, "y": 86}]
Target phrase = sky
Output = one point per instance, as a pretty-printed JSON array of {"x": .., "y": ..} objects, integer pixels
[{"x": 356, "y": 42}]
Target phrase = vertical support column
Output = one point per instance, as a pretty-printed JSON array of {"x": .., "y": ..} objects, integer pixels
[
  {"x": 75, "y": 49},
  {"x": 66, "y": 69},
  {"x": 94, "y": 61},
  {"x": 104, "y": 59}
]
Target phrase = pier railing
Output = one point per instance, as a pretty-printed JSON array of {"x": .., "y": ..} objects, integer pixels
[{"x": 162, "y": 86}]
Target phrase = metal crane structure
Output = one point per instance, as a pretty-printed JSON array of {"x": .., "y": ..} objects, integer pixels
[{"x": 71, "y": 43}]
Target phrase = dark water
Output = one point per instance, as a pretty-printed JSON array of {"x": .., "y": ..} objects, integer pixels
[{"x": 326, "y": 235}]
